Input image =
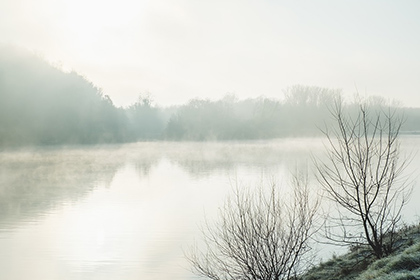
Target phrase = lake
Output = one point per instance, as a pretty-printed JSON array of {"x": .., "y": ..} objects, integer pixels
[{"x": 131, "y": 211}]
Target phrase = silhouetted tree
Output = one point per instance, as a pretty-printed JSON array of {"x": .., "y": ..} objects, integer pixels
[{"x": 363, "y": 177}]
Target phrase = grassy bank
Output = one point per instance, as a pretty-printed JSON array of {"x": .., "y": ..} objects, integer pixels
[{"x": 359, "y": 264}]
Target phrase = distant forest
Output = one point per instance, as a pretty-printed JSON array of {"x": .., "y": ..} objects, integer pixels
[{"x": 42, "y": 105}]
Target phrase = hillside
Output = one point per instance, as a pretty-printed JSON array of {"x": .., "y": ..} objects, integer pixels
[
  {"x": 358, "y": 264},
  {"x": 40, "y": 104}
]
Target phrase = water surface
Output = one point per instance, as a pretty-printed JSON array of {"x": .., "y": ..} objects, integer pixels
[{"x": 130, "y": 211}]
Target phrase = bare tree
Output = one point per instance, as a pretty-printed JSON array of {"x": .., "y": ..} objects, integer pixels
[
  {"x": 362, "y": 175},
  {"x": 258, "y": 236}
]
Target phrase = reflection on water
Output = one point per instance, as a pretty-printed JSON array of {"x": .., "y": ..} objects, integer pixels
[{"x": 124, "y": 212}]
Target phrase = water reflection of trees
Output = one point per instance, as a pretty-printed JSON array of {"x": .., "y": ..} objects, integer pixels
[
  {"x": 143, "y": 156},
  {"x": 201, "y": 159},
  {"x": 33, "y": 182}
]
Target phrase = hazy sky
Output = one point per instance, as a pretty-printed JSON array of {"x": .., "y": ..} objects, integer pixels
[{"x": 180, "y": 49}]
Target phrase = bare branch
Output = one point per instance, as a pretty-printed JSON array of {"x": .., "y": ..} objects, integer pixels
[
  {"x": 259, "y": 235},
  {"x": 360, "y": 176}
]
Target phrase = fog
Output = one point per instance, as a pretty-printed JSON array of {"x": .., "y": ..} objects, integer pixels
[
  {"x": 183, "y": 49},
  {"x": 42, "y": 105},
  {"x": 124, "y": 126},
  {"x": 37, "y": 179}
]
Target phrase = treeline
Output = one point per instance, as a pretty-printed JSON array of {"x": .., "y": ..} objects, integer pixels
[
  {"x": 258, "y": 118},
  {"x": 42, "y": 105},
  {"x": 303, "y": 111}
]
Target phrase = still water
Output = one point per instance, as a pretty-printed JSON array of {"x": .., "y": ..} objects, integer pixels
[{"x": 131, "y": 211}]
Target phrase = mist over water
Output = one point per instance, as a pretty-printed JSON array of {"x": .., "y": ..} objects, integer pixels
[
  {"x": 130, "y": 211},
  {"x": 110, "y": 122}
]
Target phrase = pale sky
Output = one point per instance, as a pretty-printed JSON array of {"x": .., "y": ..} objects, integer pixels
[{"x": 177, "y": 50}]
